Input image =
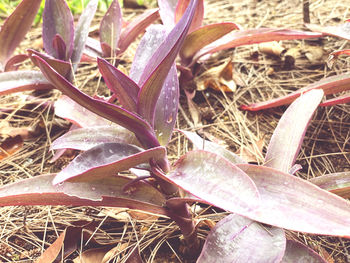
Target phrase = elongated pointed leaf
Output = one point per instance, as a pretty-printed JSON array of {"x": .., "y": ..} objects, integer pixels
[
  {"x": 107, "y": 192},
  {"x": 239, "y": 239},
  {"x": 285, "y": 142},
  {"x": 92, "y": 48},
  {"x": 252, "y": 36},
  {"x": 206, "y": 145},
  {"x": 198, "y": 15},
  {"x": 105, "y": 160},
  {"x": 111, "y": 26},
  {"x": 158, "y": 67},
  {"x": 136, "y": 27},
  {"x": 82, "y": 32},
  {"x": 167, "y": 104},
  {"x": 124, "y": 88},
  {"x": 342, "y": 31},
  {"x": 61, "y": 66},
  {"x": 295, "y": 204},
  {"x": 86, "y": 138},
  {"x": 298, "y": 252},
  {"x": 329, "y": 85},
  {"x": 204, "y": 36},
  {"x": 106, "y": 110},
  {"x": 338, "y": 100},
  {"x": 58, "y": 20},
  {"x": 68, "y": 109},
  {"x": 16, "y": 27},
  {"x": 60, "y": 47},
  {"x": 167, "y": 12},
  {"x": 14, "y": 62},
  {"x": 337, "y": 183},
  {"x": 18, "y": 81},
  {"x": 215, "y": 180}
]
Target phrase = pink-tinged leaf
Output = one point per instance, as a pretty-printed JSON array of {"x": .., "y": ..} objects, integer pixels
[
  {"x": 82, "y": 32},
  {"x": 124, "y": 88},
  {"x": 329, "y": 85},
  {"x": 58, "y": 20},
  {"x": 167, "y": 107},
  {"x": 18, "y": 81},
  {"x": 204, "y": 36},
  {"x": 297, "y": 252},
  {"x": 157, "y": 68},
  {"x": 106, "y": 192},
  {"x": 285, "y": 142},
  {"x": 167, "y": 12},
  {"x": 68, "y": 109},
  {"x": 198, "y": 15},
  {"x": 106, "y": 110},
  {"x": 239, "y": 239},
  {"x": 295, "y": 204},
  {"x": 111, "y": 26},
  {"x": 86, "y": 138},
  {"x": 252, "y": 36},
  {"x": 167, "y": 104},
  {"x": 92, "y": 48},
  {"x": 61, "y": 66},
  {"x": 149, "y": 43},
  {"x": 338, "y": 100},
  {"x": 16, "y": 27},
  {"x": 136, "y": 27},
  {"x": 337, "y": 183},
  {"x": 342, "y": 31},
  {"x": 14, "y": 62},
  {"x": 60, "y": 47},
  {"x": 335, "y": 54},
  {"x": 206, "y": 145},
  {"x": 215, "y": 180},
  {"x": 106, "y": 160}
]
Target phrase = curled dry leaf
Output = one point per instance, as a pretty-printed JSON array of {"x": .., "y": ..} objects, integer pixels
[
  {"x": 253, "y": 152},
  {"x": 272, "y": 48},
  {"x": 10, "y": 146}
]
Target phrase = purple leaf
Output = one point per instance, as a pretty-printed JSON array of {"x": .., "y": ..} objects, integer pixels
[
  {"x": 106, "y": 110},
  {"x": 239, "y": 239},
  {"x": 86, "y": 138},
  {"x": 106, "y": 192},
  {"x": 92, "y": 48},
  {"x": 329, "y": 85},
  {"x": 198, "y": 15},
  {"x": 204, "y": 36},
  {"x": 68, "y": 109},
  {"x": 167, "y": 12},
  {"x": 337, "y": 183},
  {"x": 58, "y": 20},
  {"x": 285, "y": 142},
  {"x": 60, "y": 47},
  {"x": 14, "y": 62},
  {"x": 216, "y": 181},
  {"x": 82, "y": 31},
  {"x": 124, "y": 88},
  {"x": 136, "y": 27},
  {"x": 158, "y": 67},
  {"x": 111, "y": 26},
  {"x": 252, "y": 36},
  {"x": 342, "y": 31},
  {"x": 297, "y": 252},
  {"x": 62, "y": 67},
  {"x": 167, "y": 104},
  {"x": 18, "y": 81},
  {"x": 16, "y": 27},
  {"x": 206, "y": 145},
  {"x": 106, "y": 160},
  {"x": 295, "y": 204}
]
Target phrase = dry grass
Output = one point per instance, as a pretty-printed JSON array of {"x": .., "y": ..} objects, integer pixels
[{"x": 26, "y": 232}]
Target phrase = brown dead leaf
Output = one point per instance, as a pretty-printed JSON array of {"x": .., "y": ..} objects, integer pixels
[
  {"x": 92, "y": 255},
  {"x": 253, "y": 152},
  {"x": 193, "y": 108},
  {"x": 219, "y": 78},
  {"x": 6, "y": 130},
  {"x": 314, "y": 54},
  {"x": 10, "y": 146},
  {"x": 272, "y": 48},
  {"x": 124, "y": 214}
]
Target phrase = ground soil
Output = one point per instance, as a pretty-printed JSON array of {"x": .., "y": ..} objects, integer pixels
[{"x": 25, "y": 232}]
